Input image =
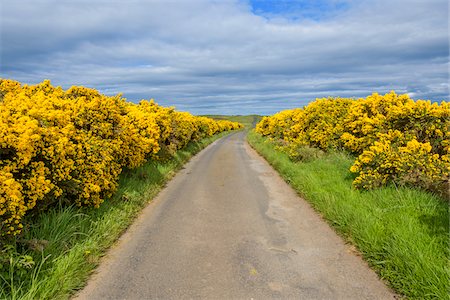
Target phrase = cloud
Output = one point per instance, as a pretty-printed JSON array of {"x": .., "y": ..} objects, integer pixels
[{"x": 230, "y": 56}]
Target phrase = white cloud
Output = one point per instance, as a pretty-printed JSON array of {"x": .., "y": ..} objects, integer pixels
[{"x": 217, "y": 56}]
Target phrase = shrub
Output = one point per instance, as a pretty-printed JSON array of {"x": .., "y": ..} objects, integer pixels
[
  {"x": 396, "y": 139},
  {"x": 394, "y": 159},
  {"x": 70, "y": 146}
]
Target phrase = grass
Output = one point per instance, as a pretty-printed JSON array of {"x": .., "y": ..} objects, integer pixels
[
  {"x": 403, "y": 233},
  {"x": 66, "y": 243},
  {"x": 249, "y": 121}
]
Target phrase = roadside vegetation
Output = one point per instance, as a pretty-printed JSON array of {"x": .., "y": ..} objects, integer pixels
[
  {"x": 402, "y": 232},
  {"x": 394, "y": 139},
  {"x": 76, "y": 167},
  {"x": 58, "y": 250},
  {"x": 70, "y": 146},
  {"x": 249, "y": 121},
  {"x": 377, "y": 170}
]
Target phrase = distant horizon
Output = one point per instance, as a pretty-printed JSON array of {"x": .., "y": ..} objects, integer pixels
[
  {"x": 235, "y": 57},
  {"x": 222, "y": 113}
]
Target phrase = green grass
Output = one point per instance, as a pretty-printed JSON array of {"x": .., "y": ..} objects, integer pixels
[
  {"x": 402, "y": 233},
  {"x": 249, "y": 121},
  {"x": 75, "y": 238}
]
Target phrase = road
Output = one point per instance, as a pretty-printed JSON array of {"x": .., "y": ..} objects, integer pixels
[{"x": 228, "y": 227}]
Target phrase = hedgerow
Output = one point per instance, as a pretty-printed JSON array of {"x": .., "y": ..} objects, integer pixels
[
  {"x": 394, "y": 138},
  {"x": 70, "y": 146}
]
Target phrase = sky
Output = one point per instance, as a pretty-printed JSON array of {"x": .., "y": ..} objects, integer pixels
[{"x": 230, "y": 57}]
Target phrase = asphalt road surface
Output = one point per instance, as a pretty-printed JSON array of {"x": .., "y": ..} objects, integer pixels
[{"x": 228, "y": 227}]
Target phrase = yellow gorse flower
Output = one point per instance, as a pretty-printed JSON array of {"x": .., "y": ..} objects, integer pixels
[
  {"x": 71, "y": 146},
  {"x": 395, "y": 138}
]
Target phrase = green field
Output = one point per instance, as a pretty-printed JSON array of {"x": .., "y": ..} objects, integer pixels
[{"x": 249, "y": 121}]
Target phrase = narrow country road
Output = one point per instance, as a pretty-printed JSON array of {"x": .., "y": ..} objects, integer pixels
[{"x": 228, "y": 227}]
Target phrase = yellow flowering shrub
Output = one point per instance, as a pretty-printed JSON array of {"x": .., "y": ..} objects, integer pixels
[
  {"x": 320, "y": 123},
  {"x": 208, "y": 127},
  {"x": 378, "y": 114},
  {"x": 225, "y": 125},
  {"x": 183, "y": 128},
  {"x": 279, "y": 125},
  {"x": 425, "y": 121},
  {"x": 397, "y": 139},
  {"x": 408, "y": 141},
  {"x": 70, "y": 146},
  {"x": 366, "y": 118},
  {"x": 143, "y": 136},
  {"x": 393, "y": 159},
  {"x": 178, "y": 128}
]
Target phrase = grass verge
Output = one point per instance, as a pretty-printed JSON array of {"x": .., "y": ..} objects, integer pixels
[
  {"x": 66, "y": 243},
  {"x": 402, "y": 233}
]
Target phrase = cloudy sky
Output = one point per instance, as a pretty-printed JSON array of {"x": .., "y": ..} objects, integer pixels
[{"x": 230, "y": 57}]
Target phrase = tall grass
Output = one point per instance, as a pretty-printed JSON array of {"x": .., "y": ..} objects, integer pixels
[
  {"x": 403, "y": 233},
  {"x": 66, "y": 243}
]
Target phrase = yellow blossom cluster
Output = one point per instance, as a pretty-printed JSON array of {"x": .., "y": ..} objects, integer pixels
[
  {"x": 395, "y": 138},
  {"x": 391, "y": 159},
  {"x": 70, "y": 146},
  {"x": 280, "y": 124},
  {"x": 319, "y": 125}
]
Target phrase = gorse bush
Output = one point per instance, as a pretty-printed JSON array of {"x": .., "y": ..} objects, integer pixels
[
  {"x": 70, "y": 146},
  {"x": 321, "y": 124},
  {"x": 395, "y": 138},
  {"x": 280, "y": 124},
  {"x": 392, "y": 159}
]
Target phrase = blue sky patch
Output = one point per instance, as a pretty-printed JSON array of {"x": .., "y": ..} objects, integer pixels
[{"x": 297, "y": 10}]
